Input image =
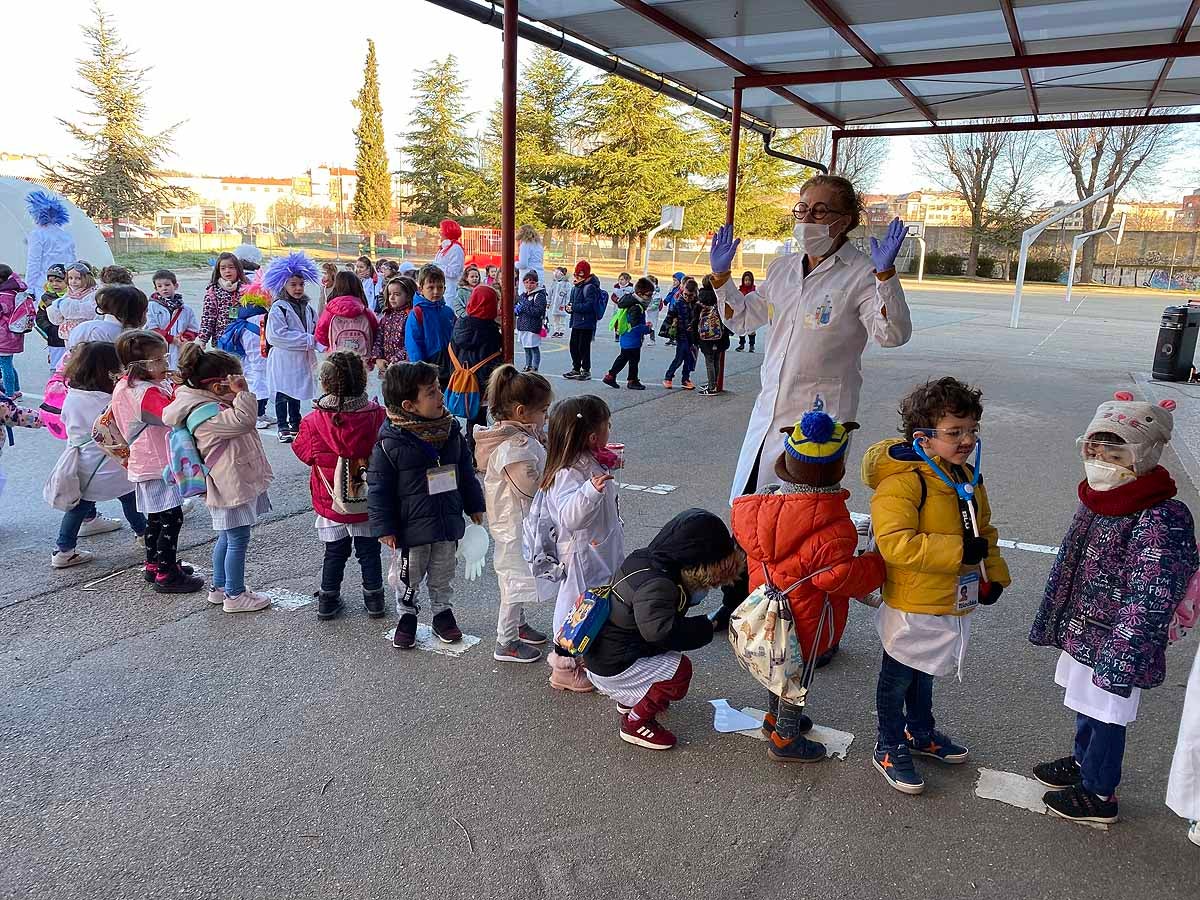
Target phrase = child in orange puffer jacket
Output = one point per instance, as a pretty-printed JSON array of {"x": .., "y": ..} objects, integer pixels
[{"x": 800, "y": 529}]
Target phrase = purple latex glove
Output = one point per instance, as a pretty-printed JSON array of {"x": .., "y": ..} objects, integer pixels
[
  {"x": 884, "y": 252},
  {"x": 723, "y": 250}
]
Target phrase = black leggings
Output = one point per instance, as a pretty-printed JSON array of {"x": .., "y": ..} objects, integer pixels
[
  {"x": 581, "y": 349},
  {"x": 162, "y": 537},
  {"x": 337, "y": 553},
  {"x": 633, "y": 357}
]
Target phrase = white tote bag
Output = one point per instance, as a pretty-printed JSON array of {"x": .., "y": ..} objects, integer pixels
[{"x": 63, "y": 490}]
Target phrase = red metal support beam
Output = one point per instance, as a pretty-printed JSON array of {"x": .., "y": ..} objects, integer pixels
[
  {"x": 1042, "y": 125},
  {"x": 838, "y": 23},
  {"x": 735, "y": 146},
  {"x": 1180, "y": 36},
  {"x": 681, "y": 31},
  {"x": 833, "y": 145},
  {"x": 1014, "y": 35},
  {"x": 974, "y": 66},
  {"x": 508, "y": 179}
]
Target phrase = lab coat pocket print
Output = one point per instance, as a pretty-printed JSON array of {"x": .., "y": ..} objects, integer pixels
[
  {"x": 820, "y": 311},
  {"x": 821, "y": 392}
]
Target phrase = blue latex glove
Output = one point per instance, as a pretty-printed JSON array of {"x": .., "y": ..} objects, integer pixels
[
  {"x": 884, "y": 252},
  {"x": 723, "y": 250}
]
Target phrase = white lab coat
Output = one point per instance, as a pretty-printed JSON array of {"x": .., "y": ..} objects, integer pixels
[
  {"x": 531, "y": 257},
  {"x": 293, "y": 353},
  {"x": 558, "y": 293},
  {"x": 46, "y": 245},
  {"x": 108, "y": 478},
  {"x": 254, "y": 367},
  {"x": 451, "y": 259},
  {"x": 507, "y": 508},
  {"x": 66, "y": 312},
  {"x": 1183, "y": 786},
  {"x": 819, "y": 328},
  {"x": 107, "y": 329},
  {"x": 158, "y": 317}
]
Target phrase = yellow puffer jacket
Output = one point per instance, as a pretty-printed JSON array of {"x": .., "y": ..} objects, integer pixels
[{"x": 922, "y": 544}]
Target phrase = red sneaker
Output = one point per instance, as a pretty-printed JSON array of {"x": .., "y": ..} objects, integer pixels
[{"x": 646, "y": 733}]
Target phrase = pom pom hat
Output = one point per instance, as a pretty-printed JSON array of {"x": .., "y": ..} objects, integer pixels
[
  {"x": 46, "y": 208},
  {"x": 814, "y": 450},
  {"x": 583, "y": 269},
  {"x": 1145, "y": 427}
]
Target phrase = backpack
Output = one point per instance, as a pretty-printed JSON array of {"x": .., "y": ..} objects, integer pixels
[
  {"x": 187, "y": 469},
  {"x": 620, "y": 322},
  {"x": 23, "y": 317},
  {"x": 350, "y": 333},
  {"x": 108, "y": 437},
  {"x": 583, "y": 623},
  {"x": 462, "y": 392},
  {"x": 348, "y": 493},
  {"x": 763, "y": 636},
  {"x": 53, "y": 396},
  {"x": 711, "y": 327}
]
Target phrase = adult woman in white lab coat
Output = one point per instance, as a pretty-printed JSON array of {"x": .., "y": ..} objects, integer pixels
[{"x": 531, "y": 255}]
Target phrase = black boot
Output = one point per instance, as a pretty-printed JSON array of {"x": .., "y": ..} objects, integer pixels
[
  {"x": 373, "y": 600},
  {"x": 329, "y": 604}
]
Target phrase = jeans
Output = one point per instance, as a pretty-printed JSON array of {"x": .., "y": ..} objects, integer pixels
[
  {"x": 162, "y": 537},
  {"x": 712, "y": 363},
  {"x": 685, "y": 355},
  {"x": 903, "y": 698},
  {"x": 337, "y": 553},
  {"x": 229, "y": 560},
  {"x": 68, "y": 531},
  {"x": 633, "y": 357},
  {"x": 533, "y": 358},
  {"x": 287, "y": 413},
  {"x": 742, "y": 341},
  {"x": 1099, "y": 749},
  {"x": 581, "y": 349},
  {"x": 8, "y": 372},
  {"x": 432, "y": 563},
  {"x": 480, "y": 419}
]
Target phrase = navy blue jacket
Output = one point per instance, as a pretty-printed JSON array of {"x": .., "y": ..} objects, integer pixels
[
  {"x": 474, "y": 341},
  {"x": 531, "y": 311},
  {"x": 588, "y": 304},
  {"x": 398, "y": 498}
]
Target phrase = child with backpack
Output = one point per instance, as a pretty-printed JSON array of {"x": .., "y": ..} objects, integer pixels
[
  {"x": 558, "y": 297},
  {"x": 530, "y": 312},
  {"x": 475, "y": 350},
  {"x": 368, "y": 282},
  {"x": 429, "y": 328},
  {"x": 335, "y": 441},
  {"x": 347, "y": 322},
  {"x": 290, "y": 335},
  {"x": 56, "y": 287},
  {"x": 139, "y": 399},
  {"x": 420, "y": 482},
  {"x": 243, "y": 337},
  {"x": 1121, "y": 571},
  {"x": 580, "y": 509},
  {"x": 92, "y": 371},
  {"x": 511, "y": 455},
  {"x": 680, "y": 327},
  {"x": 637, "y": 658},
  {"x": 631, "y": 327},
  {"x": 621, "y": 289},
  {"x": 17, "y": 317},
  {"x": 169, "y": 315},
  {"x": 389, "y": 339},
  {"x": 799, "y": 539},
  {"x": 215, "y": 406},
  {"x": 712, "y": 336}
]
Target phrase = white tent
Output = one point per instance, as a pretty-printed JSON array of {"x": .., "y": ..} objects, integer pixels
[{"x": 15, "y": 225}]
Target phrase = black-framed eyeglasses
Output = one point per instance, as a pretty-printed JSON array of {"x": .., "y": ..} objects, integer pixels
[{"x": 818, "y": 211}]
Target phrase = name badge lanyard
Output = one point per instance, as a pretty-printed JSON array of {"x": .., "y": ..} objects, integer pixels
[{"x": 964, "y": 490}]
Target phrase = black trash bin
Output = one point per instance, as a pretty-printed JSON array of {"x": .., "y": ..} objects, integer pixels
[{"x": 1176, "y": 347}]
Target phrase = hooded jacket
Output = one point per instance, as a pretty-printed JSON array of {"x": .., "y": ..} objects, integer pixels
[
  {"x": 477, "y": 336},
  {"x": 325, "y": 436},
  {"x": 793, "y": 536},
  {"x": 348, "y": 308},
  {"x": 588, "y": 303},
  {"x": 10, "y": 289},
  {"x": 922, "y": 540},
  {"x": 650, "y": 603},
  {"x": 427, "y": 334}
]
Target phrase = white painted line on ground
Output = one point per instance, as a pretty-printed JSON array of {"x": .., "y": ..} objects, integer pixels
[
  {"x": 652, "y": 489},
  {"x": 428, "y": 641},
  {"x": 837, "y": 743},
  {"x": 284, "y": 599},
  {"x": 1017, "y": 790},
  {"x": 1032, "y": 548},
  {"x": 1060, "y": 325}
]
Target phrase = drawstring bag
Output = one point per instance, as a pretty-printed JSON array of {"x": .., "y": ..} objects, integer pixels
[
  {"x": 1187, "y": 613},
  {"x": 763, "y": 636},
  {"x": 63, "y": 490},
  {"x": 462, "y": 393}
]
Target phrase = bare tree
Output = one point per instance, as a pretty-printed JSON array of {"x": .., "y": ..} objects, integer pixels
[
  {"x": 861, "y": 160},
  {"x": 241, "y": 213},
  {"x": 1104, "y": 156}
]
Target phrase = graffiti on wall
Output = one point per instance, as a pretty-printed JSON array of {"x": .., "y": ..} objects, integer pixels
[{"x": 1163, "y": 279}]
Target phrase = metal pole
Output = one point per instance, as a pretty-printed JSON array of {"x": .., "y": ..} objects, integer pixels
[
  {"x": 833, "y": 154},
  {"x": 650, "y": 237},
  {"x": 1071, "y": 267},
  {"x": 508, "y": 179},
  {"x": 735, "y": 144},
  {"x": 921, "y": 261},
  {"x": 1015, "y": 319}
]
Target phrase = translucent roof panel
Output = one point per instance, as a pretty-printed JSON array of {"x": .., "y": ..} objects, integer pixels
[{"x": 705, "y": 44}]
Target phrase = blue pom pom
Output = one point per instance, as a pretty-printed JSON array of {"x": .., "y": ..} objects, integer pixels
[
  {"x": 284, "y": 267},
  {"x": 46, "y": 208},
  {"x": 817, "y": 427}
]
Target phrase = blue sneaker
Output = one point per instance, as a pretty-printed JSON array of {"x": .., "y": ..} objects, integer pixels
[
  {"x": 936, "y": 746},
  {"x": 896, "y": 766},
  {"x": 798, "y": 749}
]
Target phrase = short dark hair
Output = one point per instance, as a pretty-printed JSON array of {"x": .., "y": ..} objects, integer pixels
[
  {"x": 93, "y": 366},
  {"x": 403, "y": 381},
  {"x": 116, "y": 275},
  {"x": 644, "y": 286},
  {"x": 430, "y": 272},
  {"x": 5, "y": 272},
  {"x": 165, "y": 275},
  {"x": 930, "y": 401},
  {"x": 124, "y": 302}
]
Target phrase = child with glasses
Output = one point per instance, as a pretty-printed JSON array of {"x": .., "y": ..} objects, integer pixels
[{"x": 942, "y": 561}]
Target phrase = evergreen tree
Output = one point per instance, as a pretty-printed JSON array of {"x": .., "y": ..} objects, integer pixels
[
  {"x": 437, "y": 149},
  {"x": 372, "y": 205},
  {"x": 114, "y": 176}
]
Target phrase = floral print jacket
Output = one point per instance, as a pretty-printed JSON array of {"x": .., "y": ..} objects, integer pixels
[{"x": 1112, "y": 592}]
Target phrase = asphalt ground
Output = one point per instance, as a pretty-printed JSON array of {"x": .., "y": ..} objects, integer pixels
[{"x": 152, "y": 746}]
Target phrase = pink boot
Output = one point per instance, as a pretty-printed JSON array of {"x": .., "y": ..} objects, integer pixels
[{"x": 571, "y": 680}]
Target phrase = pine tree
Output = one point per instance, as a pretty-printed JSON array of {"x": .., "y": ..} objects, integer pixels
[
  {"x": 437, "y": 150},
  {"x": 372, "y": 205},
  {"x": 115, "y": 174}
]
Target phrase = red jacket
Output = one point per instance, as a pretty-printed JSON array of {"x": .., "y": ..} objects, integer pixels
[
  {"x": 323, "y": 437},
  {"x": 795, "y": 535}
]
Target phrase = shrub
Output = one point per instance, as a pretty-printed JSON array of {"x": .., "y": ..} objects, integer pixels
[
  {"x": 985, "y": 267},
  {"x": 1043, "y": 270}
]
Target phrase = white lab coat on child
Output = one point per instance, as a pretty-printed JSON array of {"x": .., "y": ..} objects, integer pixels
[
  {"x": 507, "y": 508},
  {"x": 557, "y": 295},
  {"x": 531, "y": 257},
  {"x": 254, "y": 367},
  {"x": 293, "y": 353},
  {"x": 100, "y": 476},
  {"x": 158, "y": 317},
  {"x": 1183, "y": 786},
  {"x": 819, "y": 329}
]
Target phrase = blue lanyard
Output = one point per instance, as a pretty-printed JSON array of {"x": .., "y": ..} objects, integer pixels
[{"x": 964, "y": 489}]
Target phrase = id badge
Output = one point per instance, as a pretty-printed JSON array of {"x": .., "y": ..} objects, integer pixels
[
  {"x": 968, "y": 593},
  {"x": 442, "y": 479}
]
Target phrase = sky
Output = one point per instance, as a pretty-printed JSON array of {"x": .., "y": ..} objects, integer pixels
[{"x": 263, "y": 87}]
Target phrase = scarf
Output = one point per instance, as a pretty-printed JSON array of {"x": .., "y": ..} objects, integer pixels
[
  {"x": 790, "y": 488},
  {"x": 79, "y": 294},
  {"x": 334, "y": 404},
  {"x": 227, "y": 285},
  {"x": 434, "y": 432},
  {"x": 1142, "y": 493},
  {"x": 172, "y": 303}
]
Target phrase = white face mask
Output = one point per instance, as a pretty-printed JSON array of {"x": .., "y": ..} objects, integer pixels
[
  {"x": 814, "y": 238},
  {"x": 1104, "y": 476}
]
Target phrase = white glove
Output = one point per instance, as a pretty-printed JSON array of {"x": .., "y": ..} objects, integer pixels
[{"x": 473, "y": 549}]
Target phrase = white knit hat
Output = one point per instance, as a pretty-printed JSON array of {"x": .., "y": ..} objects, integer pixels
[{"x": 1146, "y": 427}]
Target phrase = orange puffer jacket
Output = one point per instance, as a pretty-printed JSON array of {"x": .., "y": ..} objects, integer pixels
[{"x": 794, "y": 535}]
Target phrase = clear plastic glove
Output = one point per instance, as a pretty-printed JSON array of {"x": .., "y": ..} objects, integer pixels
[
  {"x": 473, "y": 548},
  {"x": 883, "y": 253},
  {"x": 723, "y": 249}
]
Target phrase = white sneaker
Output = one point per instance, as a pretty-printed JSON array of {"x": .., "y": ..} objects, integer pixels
[
  {"x": 99, "y": 525},
  {"x": 265, "y": 421},
  {"x": 246, "y": 601},
  {"x": 139, "y": 541},
  {"x": 188, "y": 505},
  {"x": 1194, "y": 833},
  {"x": 64, "y": 559},
  {"x": 217, "y": 596}
]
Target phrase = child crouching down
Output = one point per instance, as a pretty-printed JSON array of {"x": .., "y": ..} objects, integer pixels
[
  {"x": 238, "y": 471},
  {"x": 1120, "y": 573},
  {"x": 421, "y": 481},
  {"x": 800, "y": 529},
  {"x": 636, "y": 658},
  {"x": 935, "y": 568}
]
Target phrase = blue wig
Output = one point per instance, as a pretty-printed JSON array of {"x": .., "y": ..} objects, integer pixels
[
  {"x": 46, "y": 209},
  {"x": 285, "y": 267}
]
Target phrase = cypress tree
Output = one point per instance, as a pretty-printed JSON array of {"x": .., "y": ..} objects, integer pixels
[{"x": 372, "y": 205}]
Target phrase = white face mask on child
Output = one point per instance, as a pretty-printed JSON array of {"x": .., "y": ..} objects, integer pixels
[{"x": 1104, "y": 476}]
